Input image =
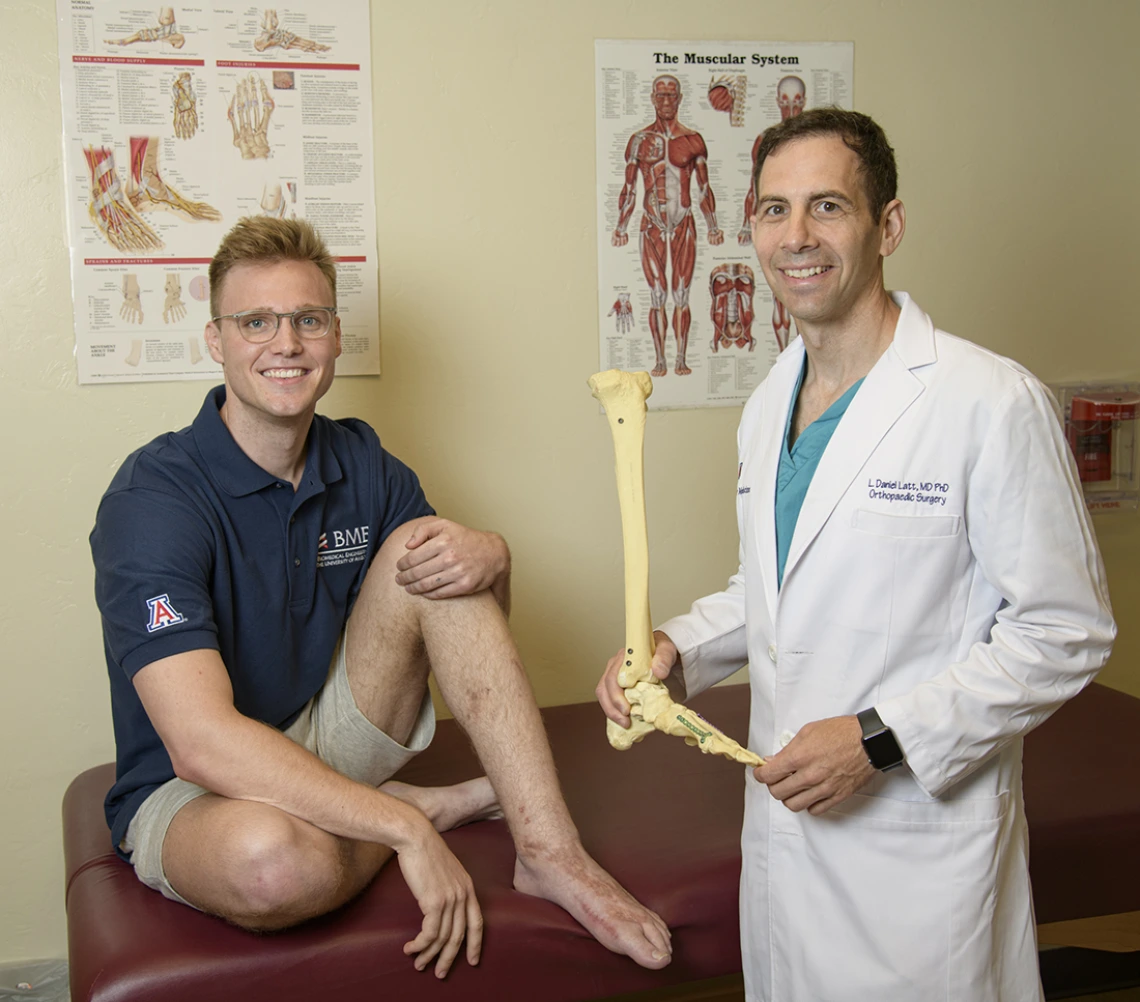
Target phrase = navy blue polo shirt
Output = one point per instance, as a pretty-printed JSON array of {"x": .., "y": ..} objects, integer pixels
[{"x": 196, "y": 546}]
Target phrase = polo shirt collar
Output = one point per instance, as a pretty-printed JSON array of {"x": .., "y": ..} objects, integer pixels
[{"x": 239, "y": 475}]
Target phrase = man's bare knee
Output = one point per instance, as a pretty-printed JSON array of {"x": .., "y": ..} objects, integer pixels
[{"x": 267, "y": 871}]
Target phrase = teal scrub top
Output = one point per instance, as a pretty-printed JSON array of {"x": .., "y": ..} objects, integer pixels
[{"x": 798, "y": 464}]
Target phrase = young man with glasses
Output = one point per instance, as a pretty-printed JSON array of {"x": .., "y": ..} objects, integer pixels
[{"x": 274, "y": 589}]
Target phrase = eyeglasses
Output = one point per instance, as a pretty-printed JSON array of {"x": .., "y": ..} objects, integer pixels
[{"x": 259, "y": 326}]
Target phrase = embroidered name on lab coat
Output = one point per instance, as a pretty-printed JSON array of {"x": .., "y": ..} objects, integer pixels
[{"x": 931, "y": 492}]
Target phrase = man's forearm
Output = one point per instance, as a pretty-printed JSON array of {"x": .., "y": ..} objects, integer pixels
[{"x": 241, "y": 759}]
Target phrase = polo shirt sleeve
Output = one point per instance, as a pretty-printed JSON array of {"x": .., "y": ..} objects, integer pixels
[
  {"x": 153, "y": 557},
  {"x": 401, "y": 498}
]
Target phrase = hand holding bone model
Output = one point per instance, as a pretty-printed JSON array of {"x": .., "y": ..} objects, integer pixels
[
  {"x": 173, "y": 309},
  {"x": 651, "y": 707}
]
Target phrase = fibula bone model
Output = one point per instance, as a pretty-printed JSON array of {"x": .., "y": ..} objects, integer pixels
[{"x": 623, "y": 395}]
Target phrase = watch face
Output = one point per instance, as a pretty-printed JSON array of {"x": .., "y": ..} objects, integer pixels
[{"x": 882, "y": 749}]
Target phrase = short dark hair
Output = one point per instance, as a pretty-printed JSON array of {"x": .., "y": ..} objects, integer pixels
[
  {"x": 860, "y": 133},
  {"x": 267, "y": 240}
]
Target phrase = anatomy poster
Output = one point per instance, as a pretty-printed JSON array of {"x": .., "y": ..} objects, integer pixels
[
  {"x": 680, "y": 293},
  {"x": 178, "y": 121}
]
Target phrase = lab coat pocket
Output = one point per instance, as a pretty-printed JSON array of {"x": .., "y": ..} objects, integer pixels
[
  {"x": 887, "y": 899},
  {"x": 880, "y": 523}
]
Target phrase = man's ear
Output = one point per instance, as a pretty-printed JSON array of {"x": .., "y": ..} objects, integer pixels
[
  {"x": 213, "y": 340},
  {"x": 894, "y": 226}
]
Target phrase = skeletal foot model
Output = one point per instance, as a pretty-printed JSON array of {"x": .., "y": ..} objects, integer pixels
[
  {"x": 173, "y": 309},
  {"x": 249, "y": 112},
  {"x": 131, "y": 310},
  {"x": 273, "y": 37},
  {"x": 149, "y": 191},
  {"x": 110, "y": 209},
  {"x": 623, "y": 395},
  {"x": 167, "y": 31},
  {"x": 185, "y": 107}
]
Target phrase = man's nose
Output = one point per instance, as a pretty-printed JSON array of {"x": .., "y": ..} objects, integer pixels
[
  {"x": 797, "y": 234},
  {"x": 287, "y": 339}
]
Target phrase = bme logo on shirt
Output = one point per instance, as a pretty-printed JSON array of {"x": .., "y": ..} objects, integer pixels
[
  {"x": 342, "y": 546},
  {"x": 162, "y": 613}
]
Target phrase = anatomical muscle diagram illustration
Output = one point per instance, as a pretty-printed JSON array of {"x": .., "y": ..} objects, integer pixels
[
  {"x": 731, "y": 287},
  {"x": 667, "y": 156},
  {"x": 272, "y": 36},
  {"x": 109, "y": 208},
  {"x": 727, "y": 94},
  {"x": 622, "y": 312},
  {"x": 249, "y": 112},
  {"x": 166, "y": 31},
  {"x": 185, "y": 107},
  {"x": 791, "y": 95},
  {"x": 148, "y": 191}
]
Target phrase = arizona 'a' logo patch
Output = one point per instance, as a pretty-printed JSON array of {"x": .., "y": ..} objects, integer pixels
[{"x": 162, "y": 613}]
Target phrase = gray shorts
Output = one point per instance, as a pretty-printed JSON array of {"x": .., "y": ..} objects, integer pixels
[{"x": 330, "y": 726}]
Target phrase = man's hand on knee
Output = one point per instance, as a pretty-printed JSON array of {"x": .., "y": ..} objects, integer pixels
[{"x": 446, "y": 560}]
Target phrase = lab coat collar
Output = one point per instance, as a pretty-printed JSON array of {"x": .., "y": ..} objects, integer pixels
[{"x": 889, "y": 389}]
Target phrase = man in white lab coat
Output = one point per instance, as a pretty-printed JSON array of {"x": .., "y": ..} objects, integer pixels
[{"x": 919, "y": 587}]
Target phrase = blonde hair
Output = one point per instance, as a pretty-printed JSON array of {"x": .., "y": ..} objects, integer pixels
[{"x": 266, "y": 240}]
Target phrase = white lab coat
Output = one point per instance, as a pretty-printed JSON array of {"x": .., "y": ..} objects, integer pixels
[{"x": 943, "y": 569}]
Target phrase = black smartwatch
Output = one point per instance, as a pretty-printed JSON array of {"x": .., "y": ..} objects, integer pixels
[{"x": 883, "y": 751}]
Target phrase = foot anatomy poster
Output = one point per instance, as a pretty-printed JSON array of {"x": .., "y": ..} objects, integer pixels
[
  {"x": 679, "y": 291},
  {"x": 178, "y": 121}
]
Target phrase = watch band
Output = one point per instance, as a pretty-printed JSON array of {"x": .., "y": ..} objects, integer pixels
[{"x": 879, "y": 742}]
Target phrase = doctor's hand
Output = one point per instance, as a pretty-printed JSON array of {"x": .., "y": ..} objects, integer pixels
[
  {"x": 446, "y": 559},
  {"x": 611, "y": 695},
  {"x": 820, "y": 767}
]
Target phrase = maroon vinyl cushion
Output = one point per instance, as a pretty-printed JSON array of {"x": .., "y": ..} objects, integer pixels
[
  {"x": 664, "y": 819},
  {"x": 1082, "y": 800}
]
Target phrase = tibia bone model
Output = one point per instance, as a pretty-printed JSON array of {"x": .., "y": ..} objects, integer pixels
[
  {"x": 109, "y": 208},
  {"x": 272, "y": 37},
  {"x": 167, "y": 31},
  {"x": 185, "y": 107},
  {"x": 249, "y": 112},
  {"x": 148, "y": 191},
  {"x": 623, "y": 395},
  {"x": 173, "y": 309}
]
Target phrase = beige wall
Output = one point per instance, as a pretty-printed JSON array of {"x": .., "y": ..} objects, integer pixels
[{"x": 1015, "y": 127}]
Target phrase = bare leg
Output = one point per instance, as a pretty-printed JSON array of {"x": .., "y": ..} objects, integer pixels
[{"x": 481, "y": 676}]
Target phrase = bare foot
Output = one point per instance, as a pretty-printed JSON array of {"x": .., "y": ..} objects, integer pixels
[
  {"x": 448, "y": 807},
  {"x": 611, "y": 915}
]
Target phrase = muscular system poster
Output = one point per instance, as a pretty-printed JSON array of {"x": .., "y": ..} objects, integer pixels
[
  {"x": 180, "y": 120},
  {"x": 679, "y": 291}
]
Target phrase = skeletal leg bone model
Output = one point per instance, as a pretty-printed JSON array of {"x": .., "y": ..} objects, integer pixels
[{"x": 623, "y": 395}]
